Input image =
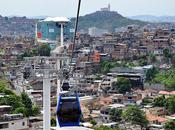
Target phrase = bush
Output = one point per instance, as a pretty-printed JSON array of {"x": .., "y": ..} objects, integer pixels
[{"x": 93, "y": 122}]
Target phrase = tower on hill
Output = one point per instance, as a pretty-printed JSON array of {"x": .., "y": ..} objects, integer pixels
[{"x": 108, "y": 8}]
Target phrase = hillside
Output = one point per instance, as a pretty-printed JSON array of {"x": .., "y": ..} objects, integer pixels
[
  {"x": 17, "y": 26},
  {"x": 158, "y": 19},
  {"x": 105, "y": 20}
]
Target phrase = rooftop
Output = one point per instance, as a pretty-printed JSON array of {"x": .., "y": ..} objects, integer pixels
[
  {"x": 70, "y": 128},
  {"x": 5, "y": 106},
  {"x": 151, "y": 117},
  {"x": 56, "y": 19},
  {"x": 167, "y": 93}
]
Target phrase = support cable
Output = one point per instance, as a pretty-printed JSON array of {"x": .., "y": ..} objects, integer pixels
[{"x": 76, "y": 28}]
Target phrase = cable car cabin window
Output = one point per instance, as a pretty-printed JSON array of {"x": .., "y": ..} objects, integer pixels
[{"x": 69, "y": 112}]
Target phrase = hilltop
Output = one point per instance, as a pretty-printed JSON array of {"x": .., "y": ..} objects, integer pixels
[
  {"x": 101, "y": 19},
  {"x": 105, "y": 20}
]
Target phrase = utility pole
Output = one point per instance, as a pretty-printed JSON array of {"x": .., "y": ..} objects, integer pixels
[
  {"x": 47, "y": 71},
  {"x": 46, "y": 100}
]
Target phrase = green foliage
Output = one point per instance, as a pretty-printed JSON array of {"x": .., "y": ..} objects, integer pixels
[
  {"x": 105, "y": 128},
  {"x": 143, "y": 62},
  {"x": 97, "y": 77},
  {"x": 170, "y": 104},
  {"x": 146, "y": 101},
  {"x": 152, "y": 58},
  {"x": 167, "y": 53},
  {"x": 11, "y": 100},
  {"x": 136, "y": 116},
  {"x": 105, "y": 66},
  {"x": 44, "y": 50},
  {"x": 115, "y": 114},
  {"x": 159, "y": 101},
  {"x": 173, "y": 60},
  {"x": 122, "y": 85},
  {"x": 151, "y": 74},
  {"x": 170, "y": 125},
  {"x": 4, "y": 87},
  {"x": 29, "y": 53},
  {"x": 20, "y": 104},
  {"x": 105, "y": 20},
  {"x": 93, "y": 122},
  {"x": 34, "y": 52},
  {"x": 53, "y": 121},
  {"x": 27, "y": 103},
  {"x": 166, "y": 78},
  {"x": 35, "y": 110},
  {"x": 21, "y": 110}
]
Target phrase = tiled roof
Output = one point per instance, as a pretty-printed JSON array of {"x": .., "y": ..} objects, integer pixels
[
  {"x": 151, "y": 117},
  {"x": 167, "y": 93}
]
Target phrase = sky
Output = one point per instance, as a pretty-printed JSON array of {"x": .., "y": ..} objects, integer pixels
[{"x": 68, "y": 8}]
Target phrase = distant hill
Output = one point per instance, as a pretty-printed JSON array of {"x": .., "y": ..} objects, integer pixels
[
  {"x": 37, "y": 17},
  {"x": 16, "y": 26},
  {"x": 105, "y": 20},
  {"x": 150, "y": 18}
]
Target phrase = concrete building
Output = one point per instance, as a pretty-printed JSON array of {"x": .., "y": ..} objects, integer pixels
[
  {"x": 51, "y": 30},
  {"x": 13, "y": 122},
  {"x": 96, "y": 32}
]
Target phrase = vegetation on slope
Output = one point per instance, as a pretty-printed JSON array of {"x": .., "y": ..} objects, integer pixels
[
  {"x": 20, "y": 104},
  {"x": 105, "y": 20},
  {"x": 166, "y": 78}
]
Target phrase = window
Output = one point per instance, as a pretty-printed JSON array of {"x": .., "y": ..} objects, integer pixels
[
  {"x": 2, "y": 126},
  {"x": 130, "y": 98},
  {"x": 12, "y": 123},
  {"x": 23, "y": 123}
]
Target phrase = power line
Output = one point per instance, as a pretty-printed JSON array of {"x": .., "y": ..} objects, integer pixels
[{"x": 76, "y": 28}]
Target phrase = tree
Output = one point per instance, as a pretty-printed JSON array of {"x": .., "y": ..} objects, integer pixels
[
  {"x": 35, "y": 110},
  {"x": 170, "y": 125},
  {"x": 166, "y": 78},
  {"x": 146, "y": 101},
  {"x": 34, "y": 52},
  {"x": 21, "y": 110},
  {"x": 159, "y": 101},
  {"x": 4, "y": 88},
  {"x": 170, "y": 104},
  {"x": 151, "y": 74},
  {"x": 11, "y": 100},
  {"x": 44, "y": 50},
  {"x": 105, "y": 66},
  {"x": 173, "y": 60},
  {"x": 135, "y": 116},
  {"x": 166, "y": 53},
  {"x": 20, "y": 104},
  {"x": 115, "y": 114},
  {"x": 143, "y": 62},
  {"x": 152, "y": 58},
  {"x": 27, "y": 103},
  {"x": 122, "y": 85},
  {"x": 53, "y": 121}
]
